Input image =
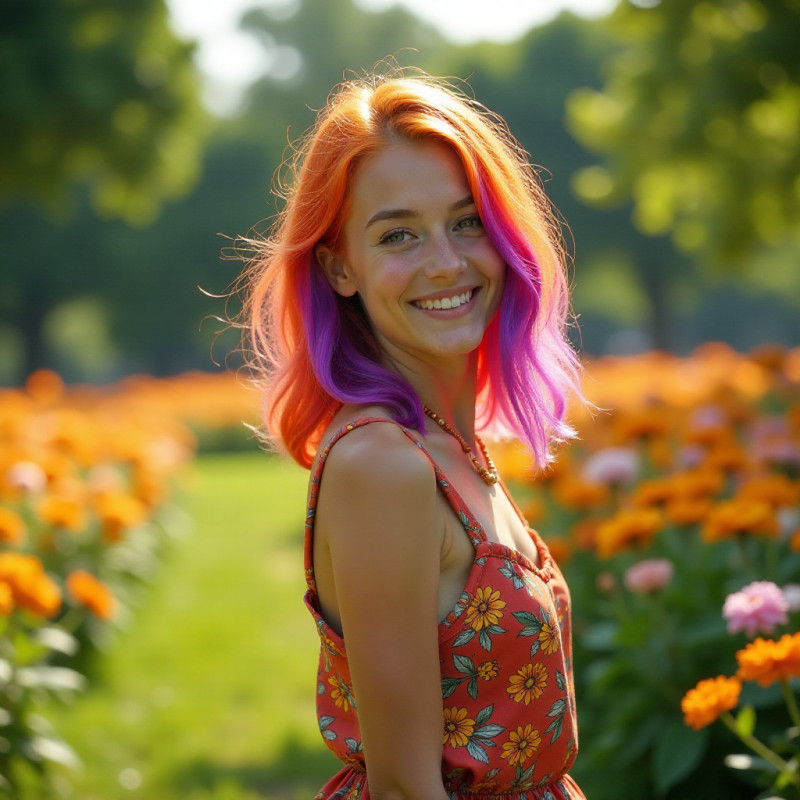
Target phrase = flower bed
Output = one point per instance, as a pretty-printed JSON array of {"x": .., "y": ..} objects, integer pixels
[
  {"x": 85, "y": 510},
  {"x": 684, "y": 493}
]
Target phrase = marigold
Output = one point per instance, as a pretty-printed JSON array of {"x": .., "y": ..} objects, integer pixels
[
  {"x": 118, "y": 512},
  {"x": 6, "y": 599},
  {"x": 31, "y": 588},
  {"x": 578, "y": 494},
  {"x": 766, "y": 661},
  {"x": 63, "y": 512},
  {"x": 775, "y": 489},
  {"x": 458, "y": 727},
  {"x": 684, "y": 511},
  {"x": 739, "y": 516},
  {"x": 86, "y": 590},
  {"x": 628, "y": 528},
  {"x": 12, "y": 528},
  {"x": 702, "y": 705}
]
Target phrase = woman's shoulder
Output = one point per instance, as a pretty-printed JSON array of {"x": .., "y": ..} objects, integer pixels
[{"x": 375, "y": 451}]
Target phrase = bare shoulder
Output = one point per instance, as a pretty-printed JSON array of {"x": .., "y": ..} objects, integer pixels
[
  {"x": 379, "y": 456},
  {"x": 378, "y": 492}
]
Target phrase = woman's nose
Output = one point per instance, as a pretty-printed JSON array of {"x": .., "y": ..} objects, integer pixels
[{"x": 443, "y": 258}]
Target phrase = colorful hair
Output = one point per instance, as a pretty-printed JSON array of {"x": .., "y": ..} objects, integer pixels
[{"x": 314, "y": 350}]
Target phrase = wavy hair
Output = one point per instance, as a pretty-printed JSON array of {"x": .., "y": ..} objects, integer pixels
[{"x": 312, "y": 350}]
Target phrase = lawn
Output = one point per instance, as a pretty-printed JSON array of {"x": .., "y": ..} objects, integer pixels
[{"x": 209, "y": 691}]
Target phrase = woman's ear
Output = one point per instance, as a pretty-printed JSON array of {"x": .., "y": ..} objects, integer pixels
[{"x": 336, "y": 271}]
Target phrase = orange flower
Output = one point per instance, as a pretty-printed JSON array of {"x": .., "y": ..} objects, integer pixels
[
  {"x": 794, "y": 541},
  {"x": 521, "y": 745},
  {"x": 578, "y": 494},
  {"x": 702, "y": 705},
  {"x": 687, "y": 510},
  {"x": 12, "y": 528},
  {"x": 63, "y": 512},
  {"x": 44, "y": 386},
  {"x": 488, "y": 670},
  {"x": 6, "y": 599},
  {"x": 458, "y": 727},
  {"x": 341, "y": 693},
  {"x": 648, "y": 423},
  {"x": 766, "y": 661},
  {"x": 728, "y": 458},
  {"x": 654, "y": 492},
  {"x": 584, "y": 533},
  {"x": 31, "y": 588},
  {"x": 528, "y": 683},
  {"x": 118, "y": 512},
  {"x": 86, "y": 590},
  {"x": 739, "y": 516},
  {"x": 485, "y": 608},
  {"x": 628, "y": 528},
  {"x": 559, "y": 549},
  {"x": 775, "y": 489}
]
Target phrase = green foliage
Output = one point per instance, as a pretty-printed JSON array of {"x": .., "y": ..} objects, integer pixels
[
  {"x": 699, "y": 120},
  {"x": 95, "y": 92}
]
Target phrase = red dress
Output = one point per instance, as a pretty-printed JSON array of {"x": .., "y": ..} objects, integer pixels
[{"x": 505, "y": 654}]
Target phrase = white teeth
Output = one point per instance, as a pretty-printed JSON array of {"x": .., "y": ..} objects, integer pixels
[{"x": 445, "y": 302}]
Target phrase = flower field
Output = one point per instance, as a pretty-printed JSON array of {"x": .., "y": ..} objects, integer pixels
[{"x": 674, "y": 515}]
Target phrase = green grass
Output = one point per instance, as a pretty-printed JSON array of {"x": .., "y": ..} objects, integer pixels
[{"x": 209, "y": 692}]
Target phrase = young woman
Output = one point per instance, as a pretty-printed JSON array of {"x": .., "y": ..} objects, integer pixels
[{"x": 411, "y": 293}]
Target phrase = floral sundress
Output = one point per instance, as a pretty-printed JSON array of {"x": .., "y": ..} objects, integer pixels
[{"x": 508, "y": 696}]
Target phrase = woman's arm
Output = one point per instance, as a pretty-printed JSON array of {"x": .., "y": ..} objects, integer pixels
[{"x": 383, "y": 527}]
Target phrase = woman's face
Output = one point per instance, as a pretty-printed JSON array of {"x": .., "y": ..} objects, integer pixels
[{"x": 416, "y": 252}]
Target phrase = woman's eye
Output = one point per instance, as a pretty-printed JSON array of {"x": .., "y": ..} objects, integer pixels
[
  {"x": 396, "y": 236},
  {"x": 470, "y": 223}
]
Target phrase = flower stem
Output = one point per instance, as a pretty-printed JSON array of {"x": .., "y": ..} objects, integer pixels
[
  {"x": 759, "y": 748},
  {"x": 791, "y": 702}
]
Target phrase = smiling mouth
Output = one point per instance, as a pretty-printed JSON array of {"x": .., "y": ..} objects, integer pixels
[{"x": 445, "y": 302}]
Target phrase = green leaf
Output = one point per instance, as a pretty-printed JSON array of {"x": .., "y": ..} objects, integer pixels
[
  {"x": 58, "y": 640},
  {"x": 464, "y": 664},
  {"x": 477, "y": 752},
  {"x": 464, "y": 637},
  {"x": 483, "y": 715},
  {"x": 449, "y": 685},
  {"x": 677, "y": 752},
  {"x": 746, "y": 721},
  {"x": 472, "y": 689}
]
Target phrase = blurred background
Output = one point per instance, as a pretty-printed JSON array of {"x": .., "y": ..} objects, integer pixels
[{"x": 139, "y": 137}]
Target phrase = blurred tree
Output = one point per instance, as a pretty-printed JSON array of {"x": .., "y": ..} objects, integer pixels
[
  {"x": 700, "y": 123},
  {"x": 97, "y": 99},
  {"x": 97, "y": 92}
]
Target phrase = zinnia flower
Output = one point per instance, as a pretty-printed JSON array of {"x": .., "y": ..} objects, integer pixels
[
  {"x": 766, "y": 661},
  {"x": 758, "y": 607},
  {"x": 739, "y": 516},
  {"x": 627, "y": 529},
  {"x": 702, "y": 705},
  {"x": 649, "y": 576}
]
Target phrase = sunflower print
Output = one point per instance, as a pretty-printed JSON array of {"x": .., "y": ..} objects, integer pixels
[
  {"x": 485, "y": 608},
  {"x": 458, "y": 727},
  {"x": 521, "y": 745},
  {"x": 528, "y": 683},
  {"x": 341, "y": 693}
]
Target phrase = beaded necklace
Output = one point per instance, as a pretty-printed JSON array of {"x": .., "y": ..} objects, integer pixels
[{"x": 489, "y": 475}]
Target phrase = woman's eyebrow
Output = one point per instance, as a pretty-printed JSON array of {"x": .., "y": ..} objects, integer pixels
[{"x": 405, "y": 213}]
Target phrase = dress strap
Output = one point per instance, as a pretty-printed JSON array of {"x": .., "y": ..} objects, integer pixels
[{"x": 468, "y": 520}]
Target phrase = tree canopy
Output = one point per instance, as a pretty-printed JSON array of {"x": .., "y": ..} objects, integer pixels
[
  {"x": 699, "y": 120},
  {"x": 96, "y": 92}
]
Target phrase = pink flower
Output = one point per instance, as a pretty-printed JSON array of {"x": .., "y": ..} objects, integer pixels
[
  {"x": 758, "y": 607},
  {"x": 649, "y": 576},
  {"x": 612, "y": 465}
]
